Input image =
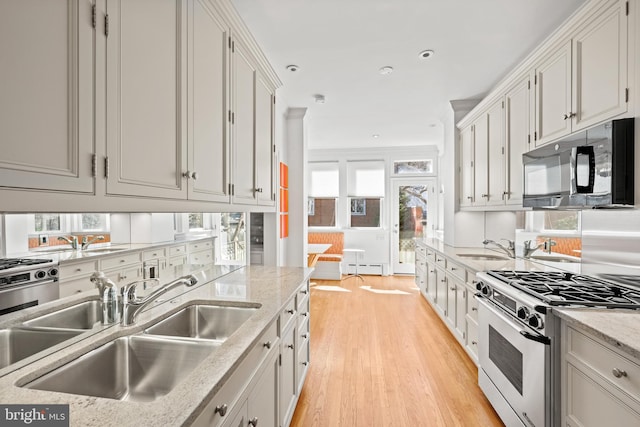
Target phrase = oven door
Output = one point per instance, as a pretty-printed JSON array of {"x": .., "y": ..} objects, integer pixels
[
  {"x": 517, "y": 365},
  {"x": 25, "y": 296}
]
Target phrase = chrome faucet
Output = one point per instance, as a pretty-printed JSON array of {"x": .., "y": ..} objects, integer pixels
[
  {"x": 529, "y": 249},
  {"x": 72, "y": 240},
  {"x": 108, "y": 297},
  {"x": 86, "y": 242},
  {"x": 131, "y": 305},
  {"x": 510, "y": 250}
]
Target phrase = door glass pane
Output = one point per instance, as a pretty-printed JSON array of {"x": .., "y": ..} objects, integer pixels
[
  {"x": 232, "y": 238},
  {"x": 412, "y": 217}
]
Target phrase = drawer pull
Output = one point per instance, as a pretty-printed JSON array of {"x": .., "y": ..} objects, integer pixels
[
  {"x": 304, "y": 291},
  {"x": 305, "y": 363},
  {"x": 290, "y": 311},
  {"x": 78, "y": 269},
  {"x": 304, "y": 314},
  {"x": 474, "y": 308},
  {"x": 474, "y": 342},
  {"x": 291, "y": 346},
  {"x": 304, "y": 336},
  {"x": 253, "y": 422},
  {"x": 267, "y": 344},
  {"x": 221, "y": 409},
  {"x": 619, "y": 373},
  {"x": 452, "y": 288}
]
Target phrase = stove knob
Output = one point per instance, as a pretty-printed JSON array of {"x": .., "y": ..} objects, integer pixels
[
  {"x": 479, "y": 286},
  {"x": 523, "y": 313},
  {"x": 535, "y": 321},
  {"x": 486, "y": 291},
  {"x": 40, "y": 274}
]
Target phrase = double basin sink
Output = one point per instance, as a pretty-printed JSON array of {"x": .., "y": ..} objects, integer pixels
[{"x": 139, "y": 367}]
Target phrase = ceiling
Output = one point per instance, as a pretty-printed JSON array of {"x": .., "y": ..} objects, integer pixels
[{"x": 340, "y": 45}]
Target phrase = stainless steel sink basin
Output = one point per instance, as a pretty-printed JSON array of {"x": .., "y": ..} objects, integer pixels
[
  {"x": 81, "y": 316},
  {"x": 554, "y": 258},
  {"x": 203, "y": 321},
  {"x": 135, "y": 368},
  {"x": 483, "y": 257},
  {"x": 19, "y": 343}
]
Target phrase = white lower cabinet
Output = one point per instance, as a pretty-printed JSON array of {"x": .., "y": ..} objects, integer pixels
[
  {"x": 600, "y": 384},
  {"x": 288, "y": 378}
]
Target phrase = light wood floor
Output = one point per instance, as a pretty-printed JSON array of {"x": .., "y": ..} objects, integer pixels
[{"x": 380, "y": 359}]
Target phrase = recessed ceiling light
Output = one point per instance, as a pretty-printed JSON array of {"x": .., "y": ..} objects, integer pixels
[
  {"x": 386, "y": 70},
  {"x": 375, "y": 135},
  {"x": 319, "y": 99},
  {"x": 292, "y": 68},
  {"x": 426, "y": 54}
]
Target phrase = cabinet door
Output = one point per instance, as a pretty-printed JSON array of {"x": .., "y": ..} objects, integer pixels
[
  {"x": 466, "y": 167},
  {"x": 451, "y": 302},
  {"x": 243, "y": 168},
  {"x": 432, "y": 282},
  {"x": 481, "y": 161},
  {"x": 262, "y": 403},
  {"x": 441, "y": 292},
  {"x": 209, "y": 104},
  {"x": 553, "y": 96},
  {"x": 461, "y": 305},
  {"x": 265, "y": 190},
  {"x": 600, "y": 68},
  {"x": 288, "y": 376},
  {"x": 146, "y": 95},
  {"x": 518, "y": 118},
  {"x": 496, "y": 166},
  {"x": 46, "y": 95}
]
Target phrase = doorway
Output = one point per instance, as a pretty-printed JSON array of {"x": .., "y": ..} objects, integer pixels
[{"x": 414, "y": 209}]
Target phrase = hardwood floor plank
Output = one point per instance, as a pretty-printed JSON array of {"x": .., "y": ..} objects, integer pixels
[{"x": 386, "y": 359}]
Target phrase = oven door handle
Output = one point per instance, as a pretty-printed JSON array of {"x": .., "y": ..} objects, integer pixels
[{"x": 538, "y": 338}]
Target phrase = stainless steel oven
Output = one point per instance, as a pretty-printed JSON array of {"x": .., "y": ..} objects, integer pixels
[
  {"x": 515, "y": 364},
  {"x": 27, "y": 282}
]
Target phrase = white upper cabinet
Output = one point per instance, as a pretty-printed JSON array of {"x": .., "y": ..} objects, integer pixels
[
  {"x": 243, "y": 131},
  {"x": 518, "y": 102},
  {"x": 481, "y": 161},
  {"x": 553, "y": 96},
  {"x": 496, "y": 166},
  {"x": 264, "y": 110},
  {"x": 46, "y": 95},
  {"x": 585, "y": 81},
  {"x": 208, "y": 147},
  {"x": 600, "y": 67},
  {"x": 466, "y": 167},
  {"x": 146, "y": 95}
]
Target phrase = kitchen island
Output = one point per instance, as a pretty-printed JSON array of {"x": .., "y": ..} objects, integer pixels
[{"x": 275, "y": 292}]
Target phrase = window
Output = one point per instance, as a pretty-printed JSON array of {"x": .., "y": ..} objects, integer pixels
[
  {"x": 47, "y": 222},
  {"x": 94, "y": 222},
  {"x": 561, "y": 220},
  {"x": 196, "y": 221},
  {"x": 324, "y": 189},
  {"x": 412, "y": 167},
  {"x": 366, "y": 188}
]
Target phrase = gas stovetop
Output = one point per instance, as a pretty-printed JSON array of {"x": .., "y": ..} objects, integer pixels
[
  {"x": 8, "y": 263},
  {"x": 566, "y": 289}
]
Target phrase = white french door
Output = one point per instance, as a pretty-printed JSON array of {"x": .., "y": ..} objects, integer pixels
[{"x": 413, "y": 212}]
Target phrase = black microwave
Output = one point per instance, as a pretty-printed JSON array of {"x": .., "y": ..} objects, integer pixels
[{"x": 589, "y": 169}]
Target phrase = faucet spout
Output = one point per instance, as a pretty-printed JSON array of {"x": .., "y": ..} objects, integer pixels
[
  {"x": 131, "y": 305},
  {"x": 510, "y": 250},
  {"x": 530, "y": 247},
  {"x": 86, "y": 242},
  {"x": 72, "y": 240},
  {"x": 108, "y": 297}
]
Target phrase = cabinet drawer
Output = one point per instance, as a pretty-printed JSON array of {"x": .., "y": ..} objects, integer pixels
[
  {"x": 431, "y": 255},
  {"x": 303, "y": 297},
  {"x": 120, "y": 260},
  {"x": 177, "y": 250},
  {"x": 441, "y": 261},
  {"x": 456, "y": 270},
  {"x": 605, "y": 361},
  {"x": 153, "y": 254},
  {"x": 232, "y": 389},
  {"x": 126, "y": 274},
  {"x": 472, "y": 338},
  {"x": 85, "y": 268},
  {"x": 202, "y": 257},
  {"x": 72, "y": 287},
  {"x": 421, "y": 251},
  {"x": 472, "y": 305},
  {"x": 591, "y": 405},
  {"x": 177, "y": 260},
  {"x": 200, "y": 246},
  {"x": 303, "y": 328},
  {"x": 287, "y": 315}
]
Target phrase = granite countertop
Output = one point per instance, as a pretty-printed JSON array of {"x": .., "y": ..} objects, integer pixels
[
  {"x": 271, "y": 287},
  {"x": 618, "y": 327},
  {"x": 62, "y": 254},
  {"x": 507, "y": 264}
]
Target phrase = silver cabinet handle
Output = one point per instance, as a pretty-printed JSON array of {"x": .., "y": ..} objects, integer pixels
[
  {"x": 290, "y": 311},
  {"x": 291, "y": 346},
  {"x": 253, "y": 421},
  {"x": 194, "y": 175},
  {"x": 259, "y": 190},
  {"x": 221, "y": 409},
  {"x": 304, "y": 336},
  {"x": 619, "y": 373},
  {"x": 304, "y": 291},
  {"x": 305, "y": 363},
  {"x": 452, "y": 288},
  {"x": 485, "y": 195},
  {"x": 304, "y": 314},
  {"x": 474, "y": 342},
  {"x": 267, "y": 344},
  {"x": 474, "y": 308}
]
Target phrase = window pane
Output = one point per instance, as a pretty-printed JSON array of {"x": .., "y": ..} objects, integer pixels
[
  {"x": 412, "y": 167},
  {"x": 232, "y": 238},
  {"x": 365, "y": 179},
  {"x": 561, "y": 220},
  {"x": 324, "y": 179},
  {"x": 365, "y": 212},
  {"x": 196, "y": 221},
  {"x": 47, "y": 222},
  {"x": 322, "y": 212},
  {"x": 94, "y": 222}
]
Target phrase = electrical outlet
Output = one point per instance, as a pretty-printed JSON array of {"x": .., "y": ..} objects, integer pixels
[{"x": 43, "y": 239}]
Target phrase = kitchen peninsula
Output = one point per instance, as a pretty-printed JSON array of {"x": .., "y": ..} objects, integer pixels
[{"x": 241, "y": 363}]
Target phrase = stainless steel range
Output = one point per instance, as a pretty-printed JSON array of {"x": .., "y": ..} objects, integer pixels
[
  {"x": 519, "y": 347},
  {"x": 26, "y": 282}
]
